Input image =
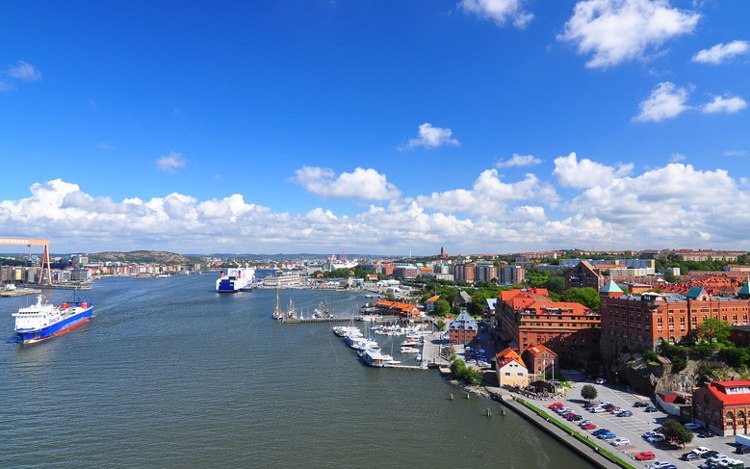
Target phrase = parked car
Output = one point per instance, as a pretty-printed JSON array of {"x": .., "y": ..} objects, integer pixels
[
  {"x": 625, "y": 413},
  {"x": 616, "y": 410},
  {"x": 658, "y": 465},
  {"x": 620, "y": 441},
  {"x": 645, "y": 456},
  {"x": 655, "y": 439},
  {"x": 651, "y": 409},
  {"x": 648, "y": 434},
  {"x": 701, "y": 450},
  {"x": 601, "y": 380},
  {"x": 606, "y": 435},
  {"x": 690, "y": 456},
  {"x": 585, "y": 422},
  {"x": 718, "y": 457},
  {"x": 576, "y": 418},
  {"x": 706, "y": 434},
  {"x": 742, "y": 449},
  {"x": 589, "y": 426},
  {"x": 608, "y": 407},
  {"x": 692, "y": 426},
  {"x": 709, "y": 454},
  {"x": 597, "y": 409},
  {"x": 601, "y": 430},
  {"x": 555, "y": 405},
  {"x": 641, "y": 404}
]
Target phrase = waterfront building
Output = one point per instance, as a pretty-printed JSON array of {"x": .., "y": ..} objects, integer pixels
[
  {"x": 633, "y": 323},
  {"x": 463, "y": 329},
  {"x": 541, "y": 361},
  {"x": 387, "y": 307},
  {"x": 510, "y": 369},
  {"x": 723, "y": 406},
  {"x": 529, "y": 317}
]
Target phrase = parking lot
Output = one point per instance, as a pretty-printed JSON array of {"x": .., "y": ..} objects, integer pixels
[{"x": 636, "y": 425}]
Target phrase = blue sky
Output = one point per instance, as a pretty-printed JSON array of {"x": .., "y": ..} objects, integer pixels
[{"x": 375, "y": 126}]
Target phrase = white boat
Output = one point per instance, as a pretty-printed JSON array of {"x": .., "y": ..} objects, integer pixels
[
  {"x": 419, "y": 358},
  {"x": 373, "y": 357},
  {"x": 412, "y": 343},
  {"x": 409, "y": 350},
  {"x": 343, "y": 331}
]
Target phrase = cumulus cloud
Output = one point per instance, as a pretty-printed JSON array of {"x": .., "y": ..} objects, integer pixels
[
  {"x": 24, "y": 71},
  {"x": 658, "y": 207},
  {"x": 500, "y": 11},
  {"x": 518, "y": 160},
  {"x": 362, "y": 183},
  {"x": 722, "y": 52},
  {"x": 677, "y": 157},
  {"x": 489, "y": 195},
  {"x": 615, "y": 31},
  {"x": 727, "y": 105},
  {"x": 666, "y": 101},
  {"x": 432, "y": 137},
  {"x": 586, "y": 173},
  {"x": 171, "y": 162}
]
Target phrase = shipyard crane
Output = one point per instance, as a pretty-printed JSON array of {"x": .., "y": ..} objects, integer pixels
[{"x": 29, "y": 243}]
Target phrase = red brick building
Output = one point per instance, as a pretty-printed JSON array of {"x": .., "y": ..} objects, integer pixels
[
  {"x": 584, "y": 275},
  {"x": 541, "y": 361},
  {"x": 529, "y": 317},
  {"x": 723, "y": 406},
  {"x": 638, "y": 323},
  {"x": 463, "y": 329}
]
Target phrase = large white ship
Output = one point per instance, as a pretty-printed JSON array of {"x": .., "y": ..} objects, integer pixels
[{"x": 235, "y": 279}]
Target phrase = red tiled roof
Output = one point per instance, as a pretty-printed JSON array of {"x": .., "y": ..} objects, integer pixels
[
  {"x": 508, "y": 355},
  {"x": 539, "y": 348},
  {"x": 433, "y": 299},
  {"x": 718, "y": 388}
]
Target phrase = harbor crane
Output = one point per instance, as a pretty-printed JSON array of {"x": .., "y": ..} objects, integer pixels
[{"x": 29, "y": 243}]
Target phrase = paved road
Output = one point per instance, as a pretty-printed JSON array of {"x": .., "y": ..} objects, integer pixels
[{"x": 641, "y": 422}]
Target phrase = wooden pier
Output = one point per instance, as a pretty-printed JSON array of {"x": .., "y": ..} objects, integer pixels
[
  {"x": 405, "y": 367},
  {"x": 312, "y": 320}
]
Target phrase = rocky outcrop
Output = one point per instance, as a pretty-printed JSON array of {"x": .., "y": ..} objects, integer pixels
[{"x": 644, "y": 378}]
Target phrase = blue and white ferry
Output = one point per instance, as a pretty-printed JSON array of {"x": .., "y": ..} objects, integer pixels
[
  {"x": 235, "y": 279},
  {"x": 44, "y": 320}
]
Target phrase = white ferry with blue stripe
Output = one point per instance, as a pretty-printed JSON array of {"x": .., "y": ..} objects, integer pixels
[
  {"x": 235, "y": 279},
  {"x": 45, "y": 320}
]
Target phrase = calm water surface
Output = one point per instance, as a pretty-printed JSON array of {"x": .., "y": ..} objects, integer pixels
[{"x": 170, "y": 374}]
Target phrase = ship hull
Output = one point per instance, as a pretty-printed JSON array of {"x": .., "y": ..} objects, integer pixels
[{"x": 61, "y": 327}]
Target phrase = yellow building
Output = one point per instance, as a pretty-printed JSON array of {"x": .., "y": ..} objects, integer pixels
[{"x": 510, "y": 369}]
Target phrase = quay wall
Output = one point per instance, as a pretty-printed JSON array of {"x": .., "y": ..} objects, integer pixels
[{"x": 592, "y": 455}]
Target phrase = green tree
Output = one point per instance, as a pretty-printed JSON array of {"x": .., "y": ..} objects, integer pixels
[
  {"x": 587, "y": 296},
  {"x": 442, "y": 307},
  {"x": 589, "y": 392},
  {"x": 676, "y": 432},
  {"x": 464, "y": 373},
  {"x": 555, "y": 284},
  {"x": 714, "y": 330}
]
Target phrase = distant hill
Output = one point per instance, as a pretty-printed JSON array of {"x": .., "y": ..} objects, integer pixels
[{"x": 156, "y": 257}]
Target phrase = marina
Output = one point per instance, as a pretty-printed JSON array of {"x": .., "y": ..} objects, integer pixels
[{"x": 173, "y": 389}]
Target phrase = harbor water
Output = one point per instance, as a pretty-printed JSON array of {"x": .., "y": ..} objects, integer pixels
[{"x": 171, "y": 374}]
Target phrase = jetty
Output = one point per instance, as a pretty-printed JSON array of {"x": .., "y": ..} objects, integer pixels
[
  {"x": 311, "y": 320},
  {"x": 405, "y": 367}
]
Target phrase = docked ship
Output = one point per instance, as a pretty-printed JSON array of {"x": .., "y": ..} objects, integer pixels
[
  {"x": 44, "y": 320},
  {"x": 235, "y": 279}
]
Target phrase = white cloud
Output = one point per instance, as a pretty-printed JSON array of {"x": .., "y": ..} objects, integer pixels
[
  {"x": 363, "y": 183},
  {"x": 586, "y": 173},
  {"x": 728, "y": 105},
  {"x": 735, "y": 153},
  {"x": 432, "y": 137},
  {"x": 500, "y": 11},
  {"x": 677, "y": 157},
  {"x": 616, "y": 31},
  {"x": 490, "y": 196},
  {"x": 24, "y": 71},
  {"x": 659, "y": 207},
  {"x": 171, "y": 162},
  {"x": 666, "y": 101},
  {"x": 721, "y": 52},
  {"x": 518, "y": 160}
]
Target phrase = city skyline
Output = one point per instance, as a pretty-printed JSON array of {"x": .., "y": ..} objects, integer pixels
[{"x": 486, "y": 126}]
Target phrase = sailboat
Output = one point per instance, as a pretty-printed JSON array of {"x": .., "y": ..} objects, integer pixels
[
  {"x": 290, "y": 316},
  {"x": 277, "y": 312}
]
